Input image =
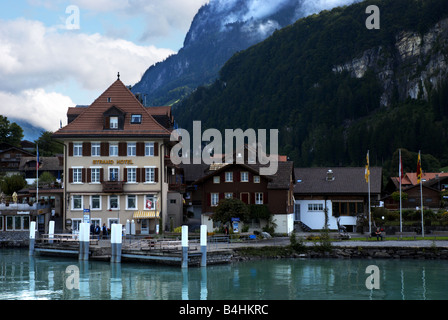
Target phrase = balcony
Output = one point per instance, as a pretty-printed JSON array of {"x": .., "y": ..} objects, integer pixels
[{"x": 113, "y": 186}]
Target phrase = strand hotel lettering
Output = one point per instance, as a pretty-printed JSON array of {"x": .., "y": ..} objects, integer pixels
[{"x": 112, "y": 162}]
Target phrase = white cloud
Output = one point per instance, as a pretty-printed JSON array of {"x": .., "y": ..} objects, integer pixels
[
  {"x": 39, "y": 108},
  {"x": 35, "y": 59}
]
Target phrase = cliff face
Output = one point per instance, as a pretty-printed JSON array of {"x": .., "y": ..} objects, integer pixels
[{"x": 411, "y": 68}]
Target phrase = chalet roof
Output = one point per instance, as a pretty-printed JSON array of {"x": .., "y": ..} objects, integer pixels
[
  {"x": 347, "y": 180},
  {"x": 280, "y": 180},
  {"x": 45, "y": 163},
  {"x": 89, "y": 121}
]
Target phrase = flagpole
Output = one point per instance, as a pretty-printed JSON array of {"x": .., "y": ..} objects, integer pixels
[
  {"x": 400, "y": 174},
  {"x": 421, "y": 193},
  {"x": 368, "y": 182},
  {"x": 37, "y": 176}
]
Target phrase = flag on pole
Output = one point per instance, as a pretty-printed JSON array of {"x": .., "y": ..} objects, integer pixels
[
  {"x": 419, "y": 169},
  {"x": 367, "y": 171},
  {"x": 37, "y": 159}
]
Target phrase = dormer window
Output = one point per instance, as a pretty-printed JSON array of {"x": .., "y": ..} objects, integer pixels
[
  {"x": 136, "y": 118},
  {"x": 113, "y": 122}
]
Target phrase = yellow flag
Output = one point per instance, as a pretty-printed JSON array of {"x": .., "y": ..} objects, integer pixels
[{"x": 367, "y": 172}]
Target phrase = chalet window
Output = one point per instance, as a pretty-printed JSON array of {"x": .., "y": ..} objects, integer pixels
[
  {"x": 149, "y": 149},
  {"x": 256, "y": 179},
  {"x": 77, "y": 149},
  {"x": 131, "y": 202},
  {"x": 214, "y": 199},
  {"x": 216, "y": 179},
  {"x": 315, "y": 207},
  {"x": 228, "y": 195},
  {"x": 95, "y": 202},
  {"x": 114, "y": 203},
  {"x": 229, "y": 176},
  {"x": 109, "y": 99},
  {"x": 244, "y": 176},
  {"x": 259, "y": 198},
  {"x": 132, "y": 149},
  {"x": 77, "y": 203},
  {"x": 113, "y": 122},
  {"x": 95, "y": 174},
  {"x": 132, "y": 175},
  {"x": 96, "y": 149},
  {"x": 77, "y": 175},
  {"x": 113, "y": 149},
  {"x": 136, "y": 118}
]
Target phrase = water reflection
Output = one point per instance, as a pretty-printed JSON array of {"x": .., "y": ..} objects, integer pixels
[{"x": 24, "y": 277}]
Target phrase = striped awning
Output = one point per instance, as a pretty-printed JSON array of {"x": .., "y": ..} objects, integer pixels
[{"x": 150, "y": 214}]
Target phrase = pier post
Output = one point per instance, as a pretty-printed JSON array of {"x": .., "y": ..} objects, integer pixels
[
  {"x": 51, "y": 231},
  {"x": 116, "y": 243},
  {"x": 84, "y": 240},
  {"x": 32, "y": 237},
  {"x": 203, "y": 245},
  {"x": 184, "y": 246}
]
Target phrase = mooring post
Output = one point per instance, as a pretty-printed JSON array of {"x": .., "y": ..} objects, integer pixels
[
  {"x": 116, "y": 242},
  {"x": 32, "y": 237},
  {"x": 204, "y": 245},
  {"x": 51, "y": 232},
  {"x": 184, "y": 246},
  {"x": 84, "y": 240}
]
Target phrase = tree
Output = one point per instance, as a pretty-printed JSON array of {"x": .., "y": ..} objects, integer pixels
[
  {"x": 48, "y": 146},
  {"x": 231, "y": 208},
  {"x": 11, "y": 184},
  {"x": 10, "y": 133}
]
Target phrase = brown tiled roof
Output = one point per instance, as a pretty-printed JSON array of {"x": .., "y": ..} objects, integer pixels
[
  {"x": 90, "y": 122},
  {"x": 347, "y": 180}
]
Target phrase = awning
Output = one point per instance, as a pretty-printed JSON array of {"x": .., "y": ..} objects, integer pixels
[{"x": 150, "y": 214}]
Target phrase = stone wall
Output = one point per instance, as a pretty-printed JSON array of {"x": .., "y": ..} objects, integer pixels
[{"x": 14, "y": 239}]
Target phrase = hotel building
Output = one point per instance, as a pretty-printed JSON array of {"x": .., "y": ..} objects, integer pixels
[{"x": 115, "y": 162}]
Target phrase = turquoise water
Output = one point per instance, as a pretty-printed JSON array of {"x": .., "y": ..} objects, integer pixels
[{"x": 33, "y": 278}]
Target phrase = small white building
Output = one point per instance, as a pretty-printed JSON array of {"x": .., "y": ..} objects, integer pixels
[{"x": 341, "y": 192}]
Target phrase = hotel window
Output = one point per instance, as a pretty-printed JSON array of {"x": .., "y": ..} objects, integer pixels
[
  {"x": 315, "y": 207},
  {"x": 77, "y": 203},
  {"x": 149, "y": 149},
  {"x": 113, "y": 149},
  {"x": 259, "y": 198},
  {"x": 96, "y": 149},
  {"x": 256, "y": 179},
  {"x": 77, "y": 175},
  {"x": 113, "y": 122},
  {"x": 132, "y": 149},
  {"x": 113, "y": 174},
  {"x": 131, "y": 202},
  {"x": 150, "y": 202},
  {"x": 244, "y": 176},
  {"x": 228, "y": 195},
  {"x": 95, "y": 175},
  {"x": 150, "y": 175},
  {"x": 95, "y": 202},
  {"x": 114, "y": 203},
  {"x": 132, "y": 175},
  {"x": 77, "y": 149},
  {"x": 216, "y": 179},
  {"x": 136, "y": 118},
  {"x": 229, "y": 176},
  {"x": 214, "y": 199}
]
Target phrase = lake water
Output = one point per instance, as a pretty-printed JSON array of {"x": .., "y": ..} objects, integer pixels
[{"x": 33, "y": 278}]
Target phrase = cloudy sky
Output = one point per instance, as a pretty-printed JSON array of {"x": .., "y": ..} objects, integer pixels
[{"x": 51, "y": 58}]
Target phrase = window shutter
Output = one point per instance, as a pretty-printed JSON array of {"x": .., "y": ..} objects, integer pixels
[
  {"x": 125, "y": 175},
  {"x": 89, "y": 175},
  {"x": 106, "y": 122},
  {"x": 156, "y": 175},
  {"x": 122, "y": 152},
  {"x": 156, "y": 149},
  {"x": 86, "y": 149},
  {"x": 84, "y": 173},
  {"x": 101, "y": 175},
  {"x": 70, "y": 175},
  {"x": 104, "y": 149},
  {"x": 70, "y": 149},
  {"x": 140, "y": 149},
  {"x": 253, "y": 198},
  {"x": 139, "y": 174}
]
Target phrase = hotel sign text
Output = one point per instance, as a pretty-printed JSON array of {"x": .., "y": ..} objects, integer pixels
[{"x": 112, "y": 162}]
